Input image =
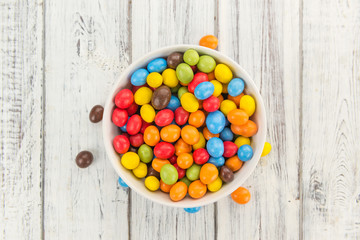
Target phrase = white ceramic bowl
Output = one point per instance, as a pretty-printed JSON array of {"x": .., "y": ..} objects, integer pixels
[{"x": 257, "y": 143}]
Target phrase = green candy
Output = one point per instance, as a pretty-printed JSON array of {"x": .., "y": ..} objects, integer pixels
[
  {"x": 175, "y": 89},
  {"x": 193, "y": 172},
  {"x": 206, "y": 64},
  {"x": 191, "y": 57},
  {"x": 186, "y": 181},
  {"x": 169, "y": 174},
  {"x": 181, "y": 91},
  {"x": 145, "y": 153},
  {"x": 184, "y": 73}
]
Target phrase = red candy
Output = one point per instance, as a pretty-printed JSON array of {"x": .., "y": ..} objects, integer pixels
[
  {"x": 164, "y": 150},
  {"x": 173, "y": 159},
  {"x": 198, "y": 78},
  {"x": 211, "y": 104},
  {"x": 121, "y": 144},
  {"x": 144, "y": 126},
  {"x": 134, "y": 124},
  {"x": 194, "y": 68},
  {"x": 131, "y": 110},
  {"x": 181, "y": 116},
  {"x": 124, "y": 98},
  {"x": 164, "y": 117},
  {"x": 136, "y": 140},
  {"x": 181, "y": 172},
  {"x": 119, "y": 117},
  {"x": 230, "y": 149},
  {"x": 201, "y": 156}
]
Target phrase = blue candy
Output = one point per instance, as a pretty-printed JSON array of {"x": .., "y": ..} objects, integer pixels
[
  {"x": 245, "y": 153},
  {"x": 157, "y": 65},
  {"x": 215, "y": 122},
  {"x": 174, "y": 103},
  {"x": 204, "y": 90},
  {"x": 123, "y": 128},
  {"x": 122, "y": 183},
  {"x": 218, "y": 162},
  {"x": 215, "y": 147},
  {"x": 138, "y": 78},
  {"x": 236, "y": 87},
  {"x": 226, "y": 134},
  {"x": 192, "y": 210},
  {"x": 227, "y": 123}
]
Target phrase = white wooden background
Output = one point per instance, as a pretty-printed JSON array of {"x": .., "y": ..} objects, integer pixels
[{"x": 60, "y": 58}]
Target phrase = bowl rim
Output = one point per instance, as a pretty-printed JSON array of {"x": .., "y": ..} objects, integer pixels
[{"x": 109, "y": 105}]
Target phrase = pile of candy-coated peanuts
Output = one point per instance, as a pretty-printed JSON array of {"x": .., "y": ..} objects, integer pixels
[{"x": 185, "y": 125}]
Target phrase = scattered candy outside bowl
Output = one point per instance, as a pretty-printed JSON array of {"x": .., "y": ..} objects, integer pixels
[{"x": 110, "y": 130}]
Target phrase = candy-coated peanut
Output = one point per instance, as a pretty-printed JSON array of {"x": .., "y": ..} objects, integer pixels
[
  {"x": 190, "y": 135},
  {"x": 164, "y": 150},
  {"x": 174, "y": 103},
  {"x": 201, "y": 143},
  {"x": 152, "y": 183},
  {"x": 206, "y": 64},
  {"x": 241, "y": 195},
  {"x": 182, "y": 91},
  {"x": 197, "y": 189},
  {"x": 209, "y": 41},
  {"x": 248, "y": 129},
  {"x": 169, "y": 78},
  {"x": 161, "y": 97},
  {"x": 189, "y": 102},
  {"x": 215, "y": 185},
  {"x": 154, "y": 79},
  {"x": 211, "y": 104},
  {"x": 201, "y": 156},
  {"x": 147, "y": 113},
  {"x": 239, "y": 141},
  {"x": 237, "y": 117},
  {"x": 266, "y": 150},
  {"x": 181, "y": 172},
  {"x": 164, "y": 117},
  {"x": 207, "y": 134},
  {"x": 170, "y": 133},
  {"x": 133, "y": 125},
  {"x": 247, "y": 103},
  {"x": 193, "y": 172},
  {"x": 217, "y": 88},
  {"x": 184, "y": 73},
  {"x": 197, "y": 118},
  {"x": 230, "y": 149},
  {"x": 185, "y": 160},
  {"x": 178, "y": 191},
  {"x": 158, "y": 163},
  {"x": 227, "y": 106},
  {"x": 169, "y": 174},
  {"x": 157, "y": 65},
  {"x": 191, "y": 57},
  {"x": 211, "y": 76},
  {"x": 143, "y": 96},
  {"x": 138, "y": 78},
  {"x": 215, "y": 147},
  {"x": 236, "y": 87},
  {"x": 208, "y": 173},
  {"x": 174, "y": 59},
  {"x": 124, "y": 98},
  {"x": 186, "y": 181},
  {"x": 218, "y": 162},
  {"x": 140, "y": 171},
  {"x": 226, "y": 174},
  {"x": 234, "y": 163},
  {"x": 215, "y": 122},
  {"x": 245, "y": 153},
  {"x": 223, "y": 73},
  {"x": 130, "y": 160},
  {"x": 226, "y": 134},
  {"x": 136, "y": 140},
  {"x": 199, "y": 77},
  {"x": 145, "y": 153},
  {"x": 182, "y": 147},
  {"x": 121, "y": 144},
  {"x": 151, "y": 136},
  {"x": 181, "y": 116},
  {"x": 165, "y": 187},
  {"x": 204, "y": 90},
  {"x": 119, "y": 117}
]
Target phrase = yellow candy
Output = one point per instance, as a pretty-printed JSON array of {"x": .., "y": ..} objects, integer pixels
[
  {"x": 140, "y": 171},
  {"x": 147, "y": 112},
  {"x": 239, "y": 141},
  {"x": 266, "y": 150},
  {"x": 215, "y": 185},
  {"x": 189, "y": 102},
  {"x": 154, "y": 79},
  {"x": 152, "y": 183},
  {"x": 169, "y": 77},
  {"x": 247, "y": 103},
  {"x": 130, "y": 160},
  {"x": 223, "y": 73},
  {"x": 218, "y": 88},
  {"x": 201, "y": 143},
  {"x": 143, "y": 96},
  {"x": 224, "y": 89},
  {"x": 227, "y": 106}
]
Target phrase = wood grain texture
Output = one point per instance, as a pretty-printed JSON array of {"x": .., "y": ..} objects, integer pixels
[
  {"x": 331, "y": 132},
  {"x": 21, "y": 142},
  {"x": 86, "y": 47},
  {"x": 157, "y": 24},
  {"x": 263, "y": 36}
]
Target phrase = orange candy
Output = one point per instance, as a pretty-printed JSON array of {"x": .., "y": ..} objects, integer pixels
[
  {"x": 178, "y": 191},
  {"x": 209, "y": 41},
  {"x": 237, "y": 117},
  {"x": 197, "y": 189},
  {"x": 208, "y": 173},
  {"x": 151, "y": 135},
  {"x": 248, "y": 129},
  {"x": 182, "y": 147},
  {"x": 158, "y": 163},
  {"x": 185, "y": 160},
  {"x": 207, "y": 134},
  {"x": 197, "y": 118},
  {"x": 221, "y": 98},
  {"x": 241, "y": 195},
  {"x": 236, "y": 99},
  {"x": 211, "y": 76},
  {"x": 183, "y": 84},
  {"x": 190, "y": 135},
  {"x": 225, "y": 88},
  {"x": 165, "y": 187},
  {"x": 234, "y": 163},
  {"x": 200, "y": 104},
  {"x": 170, "y": 133}
]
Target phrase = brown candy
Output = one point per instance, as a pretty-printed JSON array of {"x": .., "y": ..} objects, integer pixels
[
  {"x": 84, "y": 159},
  {"x": 174, "y": 59},
  {"x": 226, "y": 174},
  {"x": 152, "y": 172},
  {"x": 161, "y": 97},
  {"x": 96, "y": 114}
]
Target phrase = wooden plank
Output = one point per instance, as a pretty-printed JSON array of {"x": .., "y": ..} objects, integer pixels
[
  {"x": 263, "y": 36},
  {"x": 156, "y": 24},
  {"x": 86, "y": 48},
  {"x": 330, "y": 113},
  {"x": 21, "y": 142}
]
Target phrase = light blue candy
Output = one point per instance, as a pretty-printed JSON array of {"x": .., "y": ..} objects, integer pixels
[
  {"x": 192, "y": 210},
  {"x": 215, "y": 147},
  {"x": 226, "y": 134},
  {"x": 245, "y": 152},
  {"x": 157, "y": 65},
  {"x": 138, "y": 78},
  {"x": 236, "y": 87},
  {"x": 122, "y": 183},
  {"x": 218, "y": 162},
  {"x": 215, "y": 122},
  {"x": 174, "y": 103},
  {"x": 204, "y": 90}
]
